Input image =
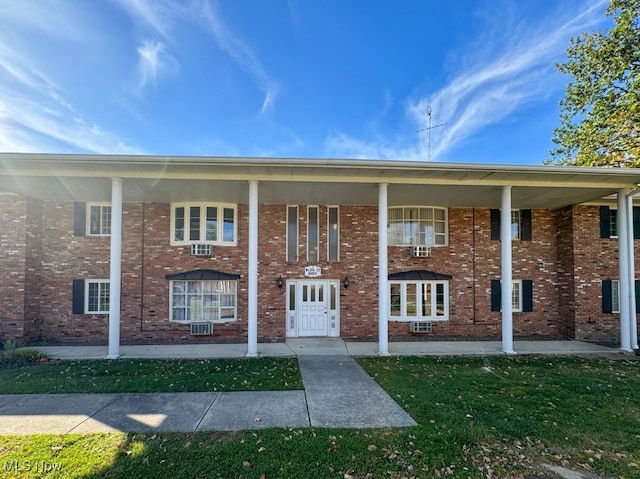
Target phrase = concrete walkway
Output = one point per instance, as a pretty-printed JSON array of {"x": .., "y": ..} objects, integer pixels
[
  {"x": 299, "y": 346},
  {"x": 337, "y": 391}
]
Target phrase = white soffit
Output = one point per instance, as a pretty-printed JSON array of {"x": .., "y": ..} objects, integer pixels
[{"x": 305, "y": 181}]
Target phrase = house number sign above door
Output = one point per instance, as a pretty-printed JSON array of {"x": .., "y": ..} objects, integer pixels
[{"x": 313, "y": 271}]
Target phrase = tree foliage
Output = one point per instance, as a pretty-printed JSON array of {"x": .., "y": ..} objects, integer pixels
[{"x": 600, "y": 116}]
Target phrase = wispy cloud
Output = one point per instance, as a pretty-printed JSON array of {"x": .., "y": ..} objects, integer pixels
[
  {"x": 480, "y": 93},
  {"x": 153, "y": 59},
  {"x": 241, "y": 54},
  {"x": 36, "y": 115}
]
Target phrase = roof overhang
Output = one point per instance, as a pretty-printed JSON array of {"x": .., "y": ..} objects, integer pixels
[{"x": 305, "y": 180}]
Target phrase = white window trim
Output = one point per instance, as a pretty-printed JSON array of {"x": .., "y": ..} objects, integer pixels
[
  {"x": 219, "y": 320},
  {"x": 88, "y": 219},
  {"x": 403, "y": 301},
  {"x": 337, "y": 208},
  {"x": 203, "y": 221},
  {"x": 446, "y": 224},
  {"x": 517, "y": 286},
  {"x": 88, "y": 282}
]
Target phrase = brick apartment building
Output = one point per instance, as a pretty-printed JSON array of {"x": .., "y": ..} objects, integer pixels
[{"x": 147, "y": 249}]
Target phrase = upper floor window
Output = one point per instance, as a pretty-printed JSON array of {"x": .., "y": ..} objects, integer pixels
[
  {"x": 521, "y": 228},
  {"x": 98, "y": 219},
  {"x": 609, "y": 222},
  {"x": 333, "y": 233},
  {"x": 211, "y": 223},
  {"x": 408, "y": 226},
  {"x": 292, "y": 234}
]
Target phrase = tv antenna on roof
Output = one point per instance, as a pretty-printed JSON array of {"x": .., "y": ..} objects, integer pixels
[{"x": 430, "y": 126}]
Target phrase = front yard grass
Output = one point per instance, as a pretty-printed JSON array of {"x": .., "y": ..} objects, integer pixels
[
  {"x": 147, "y": 376},
  {"x": 499, "y": 417}
]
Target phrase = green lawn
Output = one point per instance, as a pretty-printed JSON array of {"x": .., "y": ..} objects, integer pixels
[
  {"x": 145, "y": 376},
  {"x": 489, "y": 418}
]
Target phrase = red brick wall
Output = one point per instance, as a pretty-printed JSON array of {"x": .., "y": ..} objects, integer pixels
[
  {"x": 13, "y": 217},
  {"x": 595, "y": 259},
  {"x": 557, "y": 262}
]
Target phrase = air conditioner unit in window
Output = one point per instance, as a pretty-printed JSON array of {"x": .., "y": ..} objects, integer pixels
[
  {"x": 420, "y": 251},
  {"x": 200, "y": 249},
  {"x": 201, "y": 329},
  {"x": 420, "y": 326}
]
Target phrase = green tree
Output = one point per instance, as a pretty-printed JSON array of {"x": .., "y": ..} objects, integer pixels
[{"x": 600, "y": 116}]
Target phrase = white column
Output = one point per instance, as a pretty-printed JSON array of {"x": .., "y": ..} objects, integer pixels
[
  {"x": 383, "y": 272},
  {"x": 630, "y": 272},
  {"x": 507, "y": 277},
  {"x": 623, "y": 269},
  {"x": 115, "y": 277},
  {"x": 252, "y": 290}
]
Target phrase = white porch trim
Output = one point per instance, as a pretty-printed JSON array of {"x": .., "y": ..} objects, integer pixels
[
  {"x": 115, "y": 267},
  {"x": 383, "y": 272},
  {"x": 507, "y": 274},
  {"x": 252, "y": 287}
]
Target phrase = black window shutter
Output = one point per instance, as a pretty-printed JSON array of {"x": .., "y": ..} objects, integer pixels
[
  {"x": 496, "y": 295},
  {"x": 637, "y": 295},
  {"x": 607, "y": 303},
  {"x": 636, "y": 222},
  {"x": 77, "y": 296},
  {"x": 79, "y": 218},
  {"x": 495, "y": 224},
  {"x": 525, "y": 220},
  {"x": 605, "y": 222},
  {"x": 527, "y": 295}
]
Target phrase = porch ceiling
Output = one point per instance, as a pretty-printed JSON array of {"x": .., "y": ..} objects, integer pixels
[{"x": 304, "y": 181}]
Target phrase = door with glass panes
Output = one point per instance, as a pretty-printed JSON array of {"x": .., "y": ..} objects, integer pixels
[{"x": 312, "y": 308}]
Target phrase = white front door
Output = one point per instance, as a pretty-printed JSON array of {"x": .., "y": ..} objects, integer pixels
[
  {"x": 312, "y": 312},
  {"x": 313, "y": 308}
]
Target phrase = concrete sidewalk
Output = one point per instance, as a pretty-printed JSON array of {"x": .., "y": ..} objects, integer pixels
[
  {"x": 337, "y": 391},
  {"x": 301, "y": 346}
]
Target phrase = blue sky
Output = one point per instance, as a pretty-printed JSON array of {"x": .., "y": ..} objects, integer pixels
[{"x": 296, "y": 78}]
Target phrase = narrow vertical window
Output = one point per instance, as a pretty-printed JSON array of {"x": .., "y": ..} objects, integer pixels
[
  {"x": 179, "y": 224},
  {"x": 515, "y": 224},
  {"x": 212, "y": 223},
  {"x": 615, "y": 296},
  {"x": 395, "y": 299},
  {"x": 333, "y": 253},
  {"x": 312, "y": 234},
  {"x": 194, "y": 223},
  {"x": 292, "y": 234},
  {"x": 229, "y": 225}
]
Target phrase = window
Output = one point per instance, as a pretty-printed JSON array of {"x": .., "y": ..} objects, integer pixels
[
  {"x": 516, "y": 296},
  {"x": 97, "y": 296},
  {"x": 99, "y": 219},
  {"x": 203, "y": 223},
  {"x": 419, "y": 300},
  {"x": 408, "y": 226},
  {"x": 609, "y": 222},
  {"x": 333, "y": 247},
  {"x": 521, "y": 228},
  {"x": 207, "y": 300},
  {"x": 312, "y": 234},
  {"x": 521, "y": 296},
  {"x": 292, "y": 234}
]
